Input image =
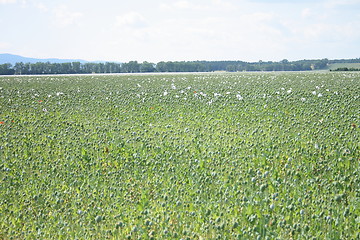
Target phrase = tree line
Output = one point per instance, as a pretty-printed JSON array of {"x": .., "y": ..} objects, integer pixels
[
  {"x": 345, "y": 69},
  {"x": 170, "y": 66}
]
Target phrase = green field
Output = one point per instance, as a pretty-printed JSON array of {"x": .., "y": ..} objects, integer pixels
[
  {"x": 335, "y": 66},
  {"x": 180, "y": 156}
]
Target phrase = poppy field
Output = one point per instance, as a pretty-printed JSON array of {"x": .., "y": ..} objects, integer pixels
[{"x": 180, "y": 156}]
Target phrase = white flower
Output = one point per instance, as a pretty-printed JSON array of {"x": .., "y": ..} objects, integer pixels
[
  {"x": 303, "y": 99},
  {"x": 289, "y": 91},
  {"x": 320, "y": 95},
  {"x": 239, "y": 97},
  {"x": 165, "y": 93},
  {"x": 313, "y": 92}
]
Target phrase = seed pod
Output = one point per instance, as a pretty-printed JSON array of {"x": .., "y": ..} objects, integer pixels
[{"x": 98, "y": 219}]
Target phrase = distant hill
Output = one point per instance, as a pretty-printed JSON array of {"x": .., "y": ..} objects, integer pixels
[{"x": 12, "y": 59}]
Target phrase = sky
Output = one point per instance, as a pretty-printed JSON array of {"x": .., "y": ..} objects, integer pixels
[{"x": 181, "y": 30}]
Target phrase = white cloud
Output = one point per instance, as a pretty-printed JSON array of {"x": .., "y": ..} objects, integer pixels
[
  {"x": 258, "y": 17},
  {"x": 181, "y": 5},
  {"x": 65, "y": 17},
  {"x": 164, "y": 6},
  {"x": 316, "y": 31},
  {"x": 306, "y": 12},
  {"x": 214, "y": 5},
  {"x": 132, "y": 20},
  {"x": 323, "y": 24},
  {"x": 4, "y": 45},
  {"x": 41, "y": 7},
  {"x": 7, "y": 1},
  {"x": 24, "y": 3},
  {"x": 336, "y": 3},
  {"x": 224, "y": 4}
]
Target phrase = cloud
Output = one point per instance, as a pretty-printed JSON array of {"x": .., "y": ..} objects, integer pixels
[
  {"x": 325, "y": 24},
  {"x": 259, "y": 17},
  {"x": 336, "y": 3},
  {"x": 224, "y": 4},
  {"x": 306, "y": 12},
  {"x": 7, "y": 1},
  {"x": 4, "y": 45},
  {"x": 324, "y": 32},
  {"x": 181, "y": 5},
  {"x": 65, "y": 17},
  {"x": 187, "y": 5},
  {"x": 131, "y": 20},
  {"x": 41, "y": 7}
]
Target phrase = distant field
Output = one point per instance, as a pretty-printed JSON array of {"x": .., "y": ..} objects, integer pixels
[
  {"x": 342, "y": 65},
  {"x": 180, "y": 156}
]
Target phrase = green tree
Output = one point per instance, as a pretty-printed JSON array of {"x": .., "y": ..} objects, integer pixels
[
  {"x": 76, "y": 67},
  {"x": 111, "y": 67},
  {"x": 161, "y": 67},
  {"x": 231, "y": 68},
  {"x": 321, "y": 64},
  {"x": 19, "y": 68},
  {"x": 147, "y": 67},
  {"x": 131, "y": 67},
  {"x": 6, "y": 69}
]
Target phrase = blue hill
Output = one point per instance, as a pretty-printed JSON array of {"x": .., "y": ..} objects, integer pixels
[{"x": 12, "y": 59}]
